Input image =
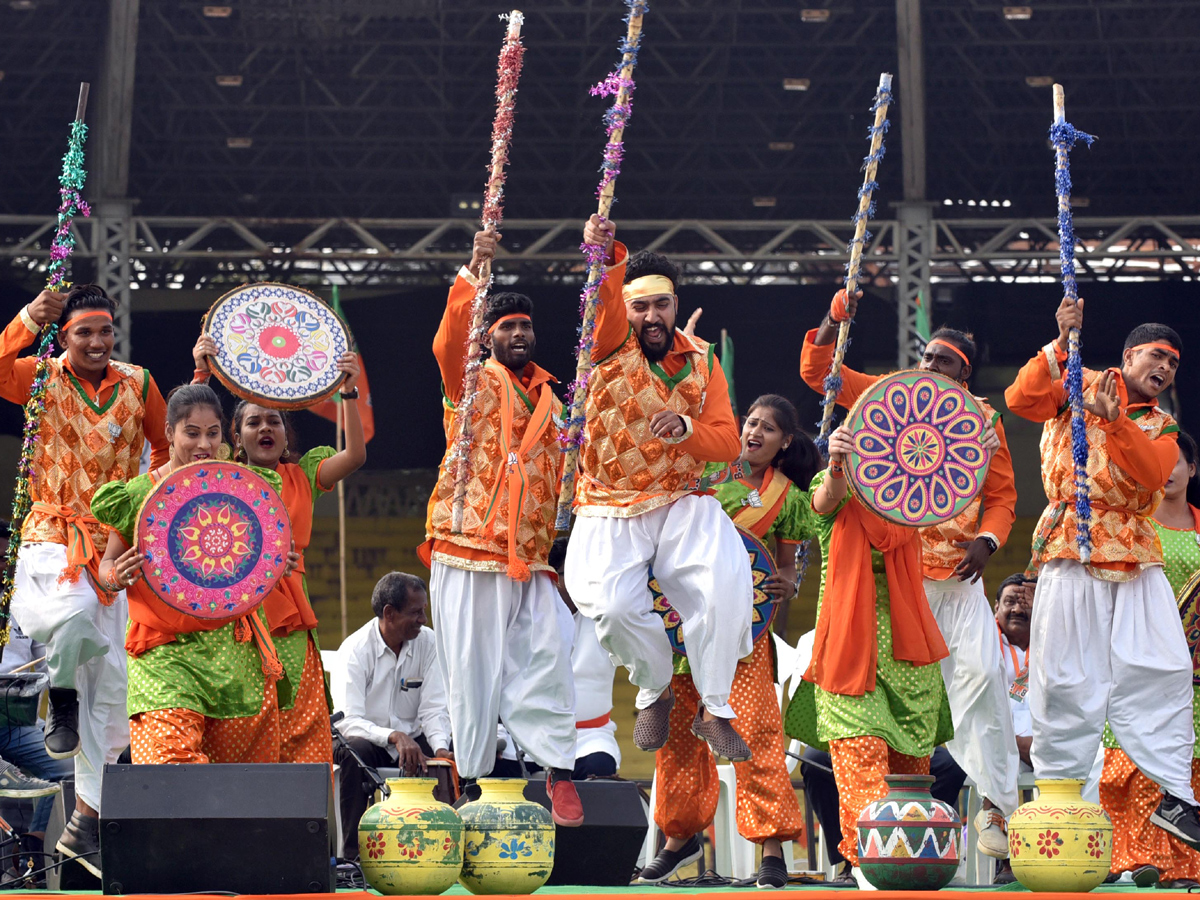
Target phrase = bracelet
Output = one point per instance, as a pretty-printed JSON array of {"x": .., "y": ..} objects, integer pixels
[
  {"x": 836, "y": 470},
  {"x": 350, "y": 395}
]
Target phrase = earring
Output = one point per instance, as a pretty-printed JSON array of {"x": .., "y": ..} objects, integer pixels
[{"x": 171, "y": 452}]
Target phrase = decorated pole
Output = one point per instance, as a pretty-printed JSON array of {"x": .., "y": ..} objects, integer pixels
[
  {"x": 620, "y": 85},
  {"x": 71, "y": 204},
  {"x": 866, "y": 209},
  {"x": 507, "y": 75},
  {"x": 1063, "y": 136}
]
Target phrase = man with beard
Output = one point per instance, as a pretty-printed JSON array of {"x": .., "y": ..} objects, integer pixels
[
  {"x": 1106, "y": 635},
  {"x": 494, "y": 601},
  {"x": 1014, "y": 600},
  {"x": 657, "y": 410},
  {"x": 953, "y": 556}
]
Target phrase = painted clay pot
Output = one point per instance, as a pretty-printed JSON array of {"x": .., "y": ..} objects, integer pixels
[
  {"x": 508, "y": 841},
  {"x": 410, "y": 843},
  {"x": 908, "y": 841},
  {"x": 1060, "y": 842}
]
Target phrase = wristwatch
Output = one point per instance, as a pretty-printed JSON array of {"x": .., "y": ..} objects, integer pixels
[
  {"x": 350, "y": 395},
  {"x": 990, "y": 541}
]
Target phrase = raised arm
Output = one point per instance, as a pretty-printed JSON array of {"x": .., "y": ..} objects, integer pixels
[
  {"x": 449, "y": 344},
  {"x": 16, "y": 375},
  {"x": 350, "y": 459},
  {"x": 1039, "y": 394},
  {"x": 612, "y": 323}
]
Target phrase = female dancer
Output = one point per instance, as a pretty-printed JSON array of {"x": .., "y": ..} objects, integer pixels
[
  {"x": 263, "y": 437},
  {"x": 768, "y": 502},
  {"x": 1146, "y": 851},
  {"x": 199, "y": 690}
]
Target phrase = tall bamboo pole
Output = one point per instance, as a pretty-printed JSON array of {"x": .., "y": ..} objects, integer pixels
[
  {"x": 507, "y": 75},
  {"x": 866, "y": 208},
  {"x": 621, "y": 84},
  {"x": 341, "y": 495}
]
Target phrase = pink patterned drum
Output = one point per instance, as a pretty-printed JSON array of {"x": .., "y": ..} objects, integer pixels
[
  {"x": 216, "y": 537},
  {"x": 277, "y": 345},
  {"x": 918, "y": 455}
]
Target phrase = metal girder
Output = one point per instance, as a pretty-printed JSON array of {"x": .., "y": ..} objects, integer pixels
[
  {"x": 912, "y": 96},
  {"x": 194, "y": 251},
  {"x": 916, "y": 233}
]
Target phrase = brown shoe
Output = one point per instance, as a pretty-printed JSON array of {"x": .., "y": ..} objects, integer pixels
[
  {"x": 722, "y": 739},
  {"x": 653, "y": 725}
]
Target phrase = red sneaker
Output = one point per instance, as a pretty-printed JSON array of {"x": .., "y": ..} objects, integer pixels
[{"x": 566, "y": 808}]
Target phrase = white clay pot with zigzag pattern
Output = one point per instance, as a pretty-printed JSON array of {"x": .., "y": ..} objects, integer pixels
[{"x": 908, "y": 841}]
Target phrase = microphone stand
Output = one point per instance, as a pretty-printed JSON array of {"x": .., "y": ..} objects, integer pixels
[{"x": 377, "y": 782}]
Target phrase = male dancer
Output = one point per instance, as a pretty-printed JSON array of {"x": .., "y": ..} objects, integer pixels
[
  {"x": 954, "y": 554},
  {"x": 494, "y": 601},
  {"x": 1106, "y": 636},
  {"x": 97, "y": 416},
  {"x": 657, "y": 410}
]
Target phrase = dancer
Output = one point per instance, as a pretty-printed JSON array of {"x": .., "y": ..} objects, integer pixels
[
  {"x": 657, "y": 410},
  {"x": 769, "y": 503},
  {"x": 1106, "y": 636},
  {"x": 954, "y": 555},
  {"x": 1151, "y": 855},
  {"x": 264, "y": 438},
  {"x": 494, "y": 602},
  {"x": 880, "y": 702},
  {"x": 98, "y": 414},
  {"x": 199, "y": 690}
]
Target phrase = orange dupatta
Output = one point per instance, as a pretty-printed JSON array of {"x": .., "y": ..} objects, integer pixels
[
  {"x": 288, "y": 608},
  {"x": 759, "y": 519},
  {"x": 846, "y": 650}
]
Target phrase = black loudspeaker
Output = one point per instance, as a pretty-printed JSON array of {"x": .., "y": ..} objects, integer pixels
[
  {"x": 604, "y": 849},
  {"x": 245, "y": 829},
  {"x": 70, "y": 876}
]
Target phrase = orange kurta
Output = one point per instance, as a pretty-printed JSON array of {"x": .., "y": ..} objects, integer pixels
[
  {"x": 500, "y": 496},
  {"x": 1129, "y": 462},
  {"x": 88, "y": 437},
  {"x": 997, "y": 500},
  {"x": 624, "y": 469}
]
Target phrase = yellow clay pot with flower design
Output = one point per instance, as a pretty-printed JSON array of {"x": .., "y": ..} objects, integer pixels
[
  {"x": 410, "y": 843},
  {"x": 1060, "y": 842},
  {"x": 508, "y": 841}
]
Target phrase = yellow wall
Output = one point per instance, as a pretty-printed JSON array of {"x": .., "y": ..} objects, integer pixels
[{"x": 377, "y": 545}]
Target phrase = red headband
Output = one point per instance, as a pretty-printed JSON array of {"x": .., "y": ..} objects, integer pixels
[
  {"x": 1155, "y": 345},
  {"x": 949, "y": 345},
  {"x": 89, "y": 314},
  {"x": 510, "y": 317}
]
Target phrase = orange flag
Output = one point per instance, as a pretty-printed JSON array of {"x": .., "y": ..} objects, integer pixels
[{"x": 327, "y": 409}]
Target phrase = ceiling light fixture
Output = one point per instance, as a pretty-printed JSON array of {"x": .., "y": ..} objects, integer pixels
[
  {"x": 763, "y": 202},
  {"x": 1018, "y": 13},
  {"x": 229, "y": 80},
  {"x": 239, "y": 143},
  {"x": 218, "y": 12},
  {"x": 815, "y": 16},
  {"x": 781, "y": 145},
  {"x": 1039, "y": 80},
  {"x": 796, "y": 84}
]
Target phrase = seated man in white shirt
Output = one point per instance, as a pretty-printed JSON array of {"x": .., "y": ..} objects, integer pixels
[
  {"x": 1014, "y": 606},
  {"x": 393, "y": 697}
]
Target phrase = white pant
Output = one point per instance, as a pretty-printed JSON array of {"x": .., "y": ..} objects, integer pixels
[
  {"x": 984, "y": 743},
  {"x": 1109, "y": 649},
  {"x": 503, "y": 657},
  {"x": 85, "y": 650},
  {"x": 703, "y": 569}
]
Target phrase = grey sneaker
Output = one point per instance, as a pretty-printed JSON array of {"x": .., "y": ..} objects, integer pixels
[
  {"x": 1179, "y": 818},
  {"x": 653, "y": 725},
  {"x": 722, "y": 739},
  {"x": 80, "y": 841},
  {"x": 15, "y": 783}
]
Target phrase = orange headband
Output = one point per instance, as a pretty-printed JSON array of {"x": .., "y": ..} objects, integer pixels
[
  {"x": 1166, "y": 348},
  {"x": 508, "y": 318},
  {"x": 89, "y": 314},
  {"x": 950, "y": 346}
]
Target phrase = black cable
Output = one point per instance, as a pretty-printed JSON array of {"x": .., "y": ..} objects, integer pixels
[{"x": 372, "y": 774}]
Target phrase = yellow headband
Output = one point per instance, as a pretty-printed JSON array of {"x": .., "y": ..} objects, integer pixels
[{"x": 647, "y": 286}]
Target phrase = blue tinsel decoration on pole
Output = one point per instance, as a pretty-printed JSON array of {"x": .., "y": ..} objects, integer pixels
[{"x": 1063, "y": 136}]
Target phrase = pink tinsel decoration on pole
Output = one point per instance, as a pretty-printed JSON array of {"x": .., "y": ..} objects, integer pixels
[{"x": 508, "y": 74}]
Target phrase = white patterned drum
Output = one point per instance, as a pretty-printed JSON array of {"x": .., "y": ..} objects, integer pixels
[{"x": 277, "y": 345}]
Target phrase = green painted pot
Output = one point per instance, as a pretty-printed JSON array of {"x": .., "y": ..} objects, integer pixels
[
  {"x": 410, "y": 843},
  {"x": 508, "y": 841},
  {"x": 908, "y": 841}
]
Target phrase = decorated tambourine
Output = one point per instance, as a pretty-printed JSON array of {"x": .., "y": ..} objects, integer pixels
[
  {"x": 918, "y": 456},
  {"x": 762, "y": 567},
  {"x": 1189, "y": 613},
  {"x": 216, "y": 537},
  {"x": 277, "y": 345}
]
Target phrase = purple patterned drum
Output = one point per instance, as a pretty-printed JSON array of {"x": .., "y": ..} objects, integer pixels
[
  {"x": 216, "y": 537},
  {"x": 277, "y": 345},
  {"x": 918, "y": 455},
  {"x": 1189, "y": 613}
]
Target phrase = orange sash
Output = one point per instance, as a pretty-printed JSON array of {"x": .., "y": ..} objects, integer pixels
[
  {"x": 288, "y": 608},
  {"x": 81, "y": 549},
  {"x": 846, "y": 651},
  {"x": 759, "y": 519},
  {"x": 542, "y": 416}
]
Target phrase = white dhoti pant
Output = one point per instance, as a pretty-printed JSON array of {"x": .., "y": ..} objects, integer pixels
[
  {"x": 503, "y": 657},
  {"x": 85, "y": 650},
  {"x": 984, "y": 742},
  {"x": 701, "y": 566},
  {"x": 1115, "y": 650}
]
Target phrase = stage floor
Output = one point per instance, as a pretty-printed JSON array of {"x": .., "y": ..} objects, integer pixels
[{"x": 637, "y": 892}]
